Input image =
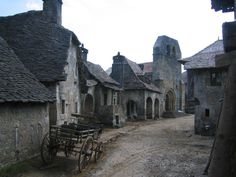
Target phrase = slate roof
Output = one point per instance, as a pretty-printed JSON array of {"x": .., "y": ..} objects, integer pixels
[
  {"x": 135, "y": 67},
  {"x": 147, "y": 67},
  {"x": 100, "y": 75},
  {"x": 205, "y": 58},
  {"x": 138, "y": 80},
  {"x": 17, "y": 84},
  {"x": 40, "y": 45}
]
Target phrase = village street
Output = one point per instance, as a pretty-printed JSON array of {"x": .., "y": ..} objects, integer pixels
[
  {"x": 152, "y": 148},
  {"x": 164, "y": 148}
]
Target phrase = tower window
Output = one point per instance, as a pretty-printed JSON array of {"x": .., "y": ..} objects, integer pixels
[{"x": 168, "y": 49}]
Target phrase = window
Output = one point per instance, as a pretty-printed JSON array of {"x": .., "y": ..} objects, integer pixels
[
  {"x": 215, "y": 78},
  {"x": 63, "y": 106},
  {"x": 76, "y": 107},
  {"x": 207, "y": 112},
  {"x": 115, "y": 98},
  {"x": 105, "y": 98},
  {"x": 173, "y": 52},
  {"x": 168, "y": 49}
]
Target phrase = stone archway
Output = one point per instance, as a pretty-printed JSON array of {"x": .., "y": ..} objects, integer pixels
[
  {"x": 149, "y": 108},
  {"x": 156, "y": 109},
  {"x": 170, "y": 101},
  {"x": 88, "y": 105},
  {"x": 131, "y": 108}
]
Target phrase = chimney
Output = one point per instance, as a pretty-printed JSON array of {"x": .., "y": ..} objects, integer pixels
[
  {"x": 84, "y": 53},
  {"x": 52, "y": 10}
]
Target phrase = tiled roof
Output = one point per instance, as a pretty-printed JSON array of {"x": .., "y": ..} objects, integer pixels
[
  {"x": 205, "y": 58},
  {"x": 147, "y": 67},
  {"x": 17, "y": 84},
  {"x": 135, "y": 67},
  {"x": 40, "y": 45},
  {"x": 138, "y": 80},
  {"x": 100, "y": 75}
]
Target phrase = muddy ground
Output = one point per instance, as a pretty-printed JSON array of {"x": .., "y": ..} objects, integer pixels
[{"x": 153, "y": 148}]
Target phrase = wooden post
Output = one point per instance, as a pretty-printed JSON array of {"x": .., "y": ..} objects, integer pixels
[{"x": 234, "y": 9}]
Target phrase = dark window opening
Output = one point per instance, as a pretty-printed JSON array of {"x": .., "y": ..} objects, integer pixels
[
  {"x": 76, "y": 107},
  {"x": 117, "y": 120},
  {"x": 105, "y": 98},
  {"x": 63, "y": 106},
  {"x": 207, "y": 112},
  {"x": 173, "y": 52},
  {"x": 215, "y": 79},
  {"x": 168, "y": 49}
]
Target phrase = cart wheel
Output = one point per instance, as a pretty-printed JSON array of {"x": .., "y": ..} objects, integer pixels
[
  {"x": 69, "y": 146},
  {"x": 48, "y": 150},
  {"x": 98, "y": 151},
  {"x": 85, "y": 153}
]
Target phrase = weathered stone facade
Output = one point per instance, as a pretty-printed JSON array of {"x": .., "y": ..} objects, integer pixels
[
  {"x": 23, "y": 125},
  {"x": 208, "y": 96},
  {"x": 140, "y": 98},
  {"x": 68, "y": 92},
  {"x": 55, "y": 60},
  {"x": 102, "y": 99},
  {"x": 205, "y": 88},
  {"x": 24, "y": 110},
  {"x": 166, "y": 72}
]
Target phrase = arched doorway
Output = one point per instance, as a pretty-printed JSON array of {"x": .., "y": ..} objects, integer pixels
[
  {"x": 170, "y": 101},
  {"x": 88, "y": 104},
  {"x": 156, "y": 109},
  {"x": 149, "y": 108},
  {"x": 131, "y": 108}
]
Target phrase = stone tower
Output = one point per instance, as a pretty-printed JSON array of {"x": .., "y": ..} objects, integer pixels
[
  {"x": 52, "y": 10},
  {"x": 167, "y": 71}
]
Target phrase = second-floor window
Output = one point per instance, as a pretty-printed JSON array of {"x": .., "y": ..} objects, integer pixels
[{"x": 215, "y": 78}]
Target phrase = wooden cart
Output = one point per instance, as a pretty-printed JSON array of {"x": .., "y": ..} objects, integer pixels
[{"x": 72, "y": 139}]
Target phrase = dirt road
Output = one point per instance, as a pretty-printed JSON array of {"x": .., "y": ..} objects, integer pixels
[
  {"x": 163, "y": 148},
  {"x": 152, "y": 148}
]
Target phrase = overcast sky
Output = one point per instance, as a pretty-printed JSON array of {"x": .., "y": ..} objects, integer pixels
[{"x": 132, "y": 26}]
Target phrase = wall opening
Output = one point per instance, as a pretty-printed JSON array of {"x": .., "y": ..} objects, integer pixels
[
  {"x": 63, "y": 106},
  {"x": 117, "y": 120},
  {"x": 156, "y": 109},
  {"x": 149, "y": 108},
  {"x": 207, "y": 112},
  {"x": 170, "y": 101},
  {"x": 88, "y": 104},
  {"x": 131, "y": 109}
]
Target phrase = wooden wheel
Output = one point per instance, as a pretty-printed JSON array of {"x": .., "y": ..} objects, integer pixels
[
  {"x": 69, "y": 146},
  {"x": 98, "y": 151},
  {"x": 48, "y": 150},
  {"x": 85, "y": 153}
]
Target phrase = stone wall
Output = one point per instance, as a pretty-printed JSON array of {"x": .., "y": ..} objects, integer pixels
[
  {"x": 23, "y": 125},
  {"x": 208, "y": 99},
  {"x": 68, "y": 91},
  {"x": 166, "y": 69},
  {"x": 110, "y": 110}
]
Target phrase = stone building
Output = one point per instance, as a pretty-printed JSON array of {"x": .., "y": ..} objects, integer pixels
[
  {"x": 165, "y": 73},
  {"x": 50, "y": 52},
  {"x": 103, "y": 96},
  {"x": 141, "y": 99},
  {"x": 205, "y": 87},
  {"x": 24, "y": 109}
]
